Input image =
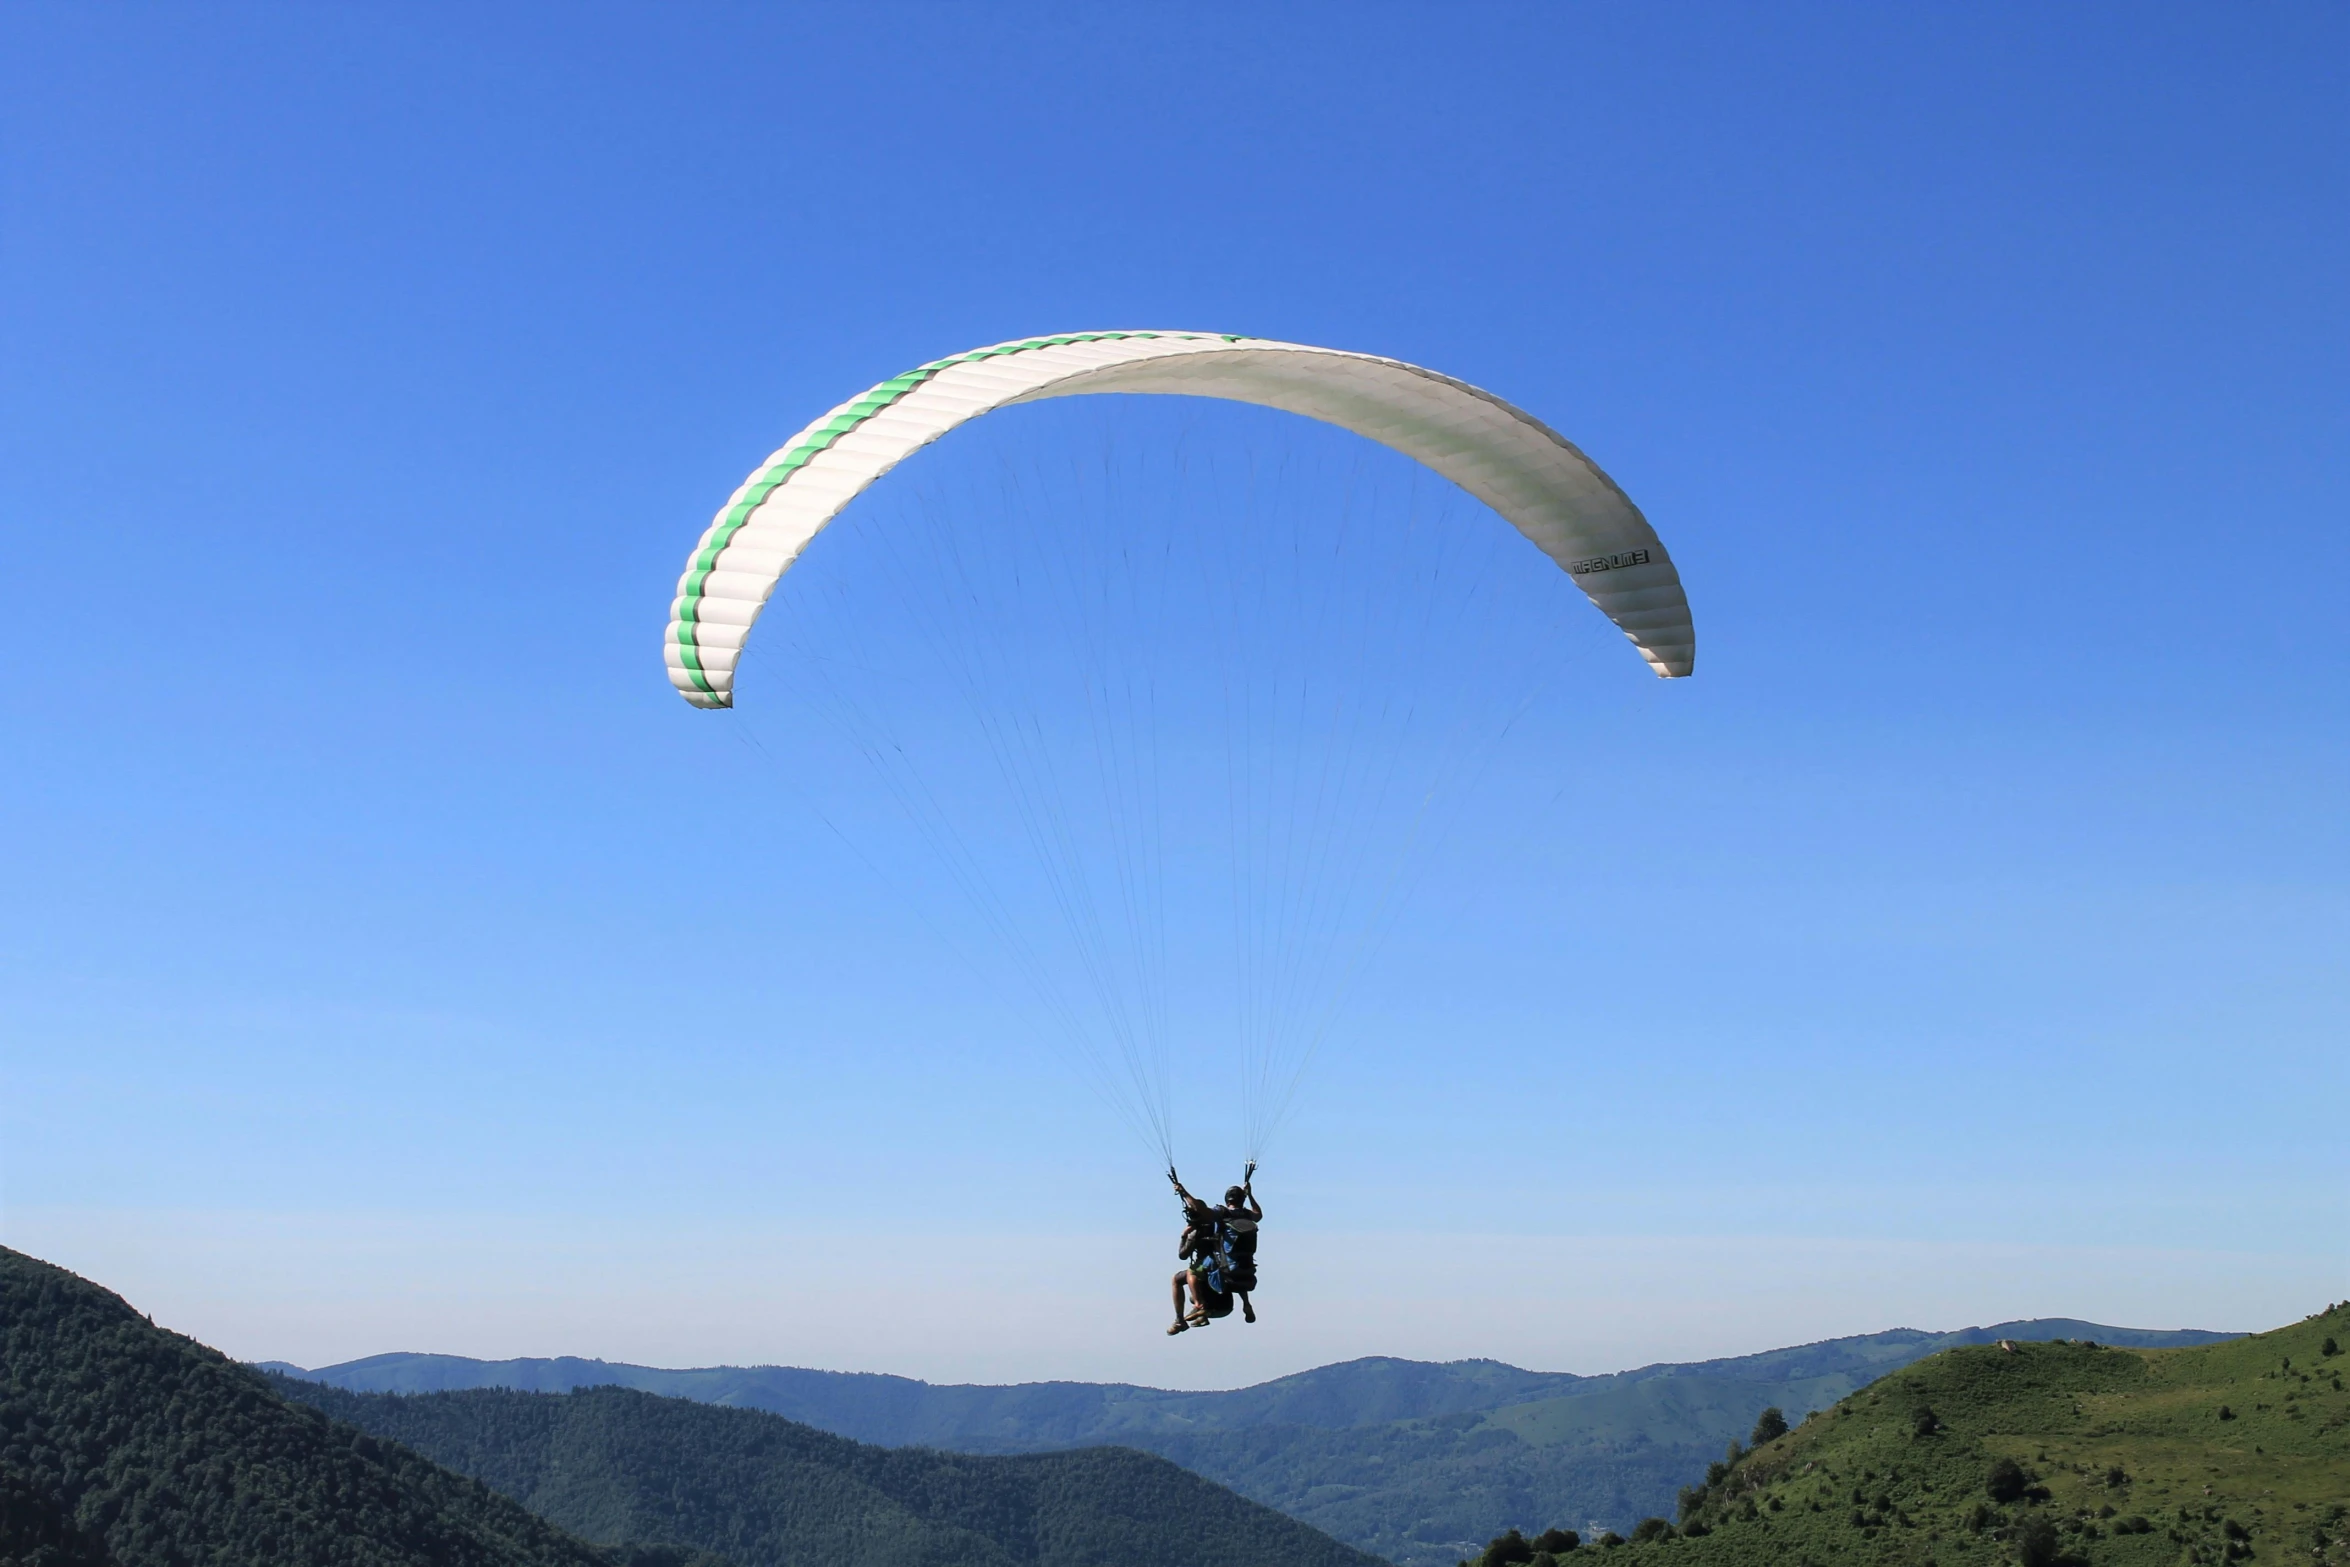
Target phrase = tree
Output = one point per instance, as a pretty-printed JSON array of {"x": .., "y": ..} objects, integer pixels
[
  {"x": 1769, "y": 1426},
  {"x": 1507, "y": 1550},
  {"x": 1651, "y": 1529},
  {"x": 2006, "y": 1480},
  {"x": 1557, "y": 1541},
  {"x": 2036, "y": 1543},
  {"x": 1926, "y": 1422}
]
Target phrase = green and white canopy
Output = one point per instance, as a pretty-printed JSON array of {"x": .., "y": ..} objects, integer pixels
[{"x": 1502, "y": 455}]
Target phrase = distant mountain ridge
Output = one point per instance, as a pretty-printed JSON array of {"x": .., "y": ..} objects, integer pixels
[
  {"x": 613, "y": 1464},
  {"x": 1417, "y": 1461},
  {"x": 1031, "y": 1416}
]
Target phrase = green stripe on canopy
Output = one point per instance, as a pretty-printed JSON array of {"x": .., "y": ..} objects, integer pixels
[{"x": 804, "y": 451}]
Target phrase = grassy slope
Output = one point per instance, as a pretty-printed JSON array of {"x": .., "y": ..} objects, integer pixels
[
  {"x": 1611, "y": 1450},
  {"x": 615, "y": 1464},
  {"x": 122, "y": 1442},
  {"x": 1858, "y": 1484}
]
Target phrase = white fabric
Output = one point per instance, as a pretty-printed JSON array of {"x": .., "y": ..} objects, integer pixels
[{"x": 1505, "y": 457}]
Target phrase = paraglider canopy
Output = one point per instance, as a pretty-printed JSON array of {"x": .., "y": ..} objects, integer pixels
[
  {"x": 1144, "y": 699},
  {"x": 1501, "y": 454}
]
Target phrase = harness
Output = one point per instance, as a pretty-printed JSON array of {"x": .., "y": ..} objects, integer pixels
[{"x": 1211, "y": 1254}]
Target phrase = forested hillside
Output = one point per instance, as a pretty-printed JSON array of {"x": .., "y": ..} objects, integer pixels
[
  {"x": 124, "y": 1444},
  {"x": 35, "y": 1530},
  {"x": 614, "y": 1464},
  {"x": 1411, "y": 1460},
  {"x": 2067, "y": 1454}
]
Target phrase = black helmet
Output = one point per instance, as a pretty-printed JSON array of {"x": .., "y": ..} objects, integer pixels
[{"x": 1234, "y": 1196}]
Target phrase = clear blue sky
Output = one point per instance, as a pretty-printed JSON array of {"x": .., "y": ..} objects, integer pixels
[{"x": 1966, "y": 940}]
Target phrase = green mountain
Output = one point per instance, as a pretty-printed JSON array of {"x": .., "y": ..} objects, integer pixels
[
  {"x": 125, "y": 1446},
  {"x": 615, "y": 1464},
  {"x": 122, "y": 1445},
  {"x": 2076, "y": 1453},
  {"x": 1411, "y": 1460}
]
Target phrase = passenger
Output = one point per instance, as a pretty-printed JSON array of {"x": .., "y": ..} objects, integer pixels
[{"x": 1207, "y": 1265}]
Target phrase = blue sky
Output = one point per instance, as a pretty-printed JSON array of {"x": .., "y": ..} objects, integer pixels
[{"x": 1965, "y": 940}]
